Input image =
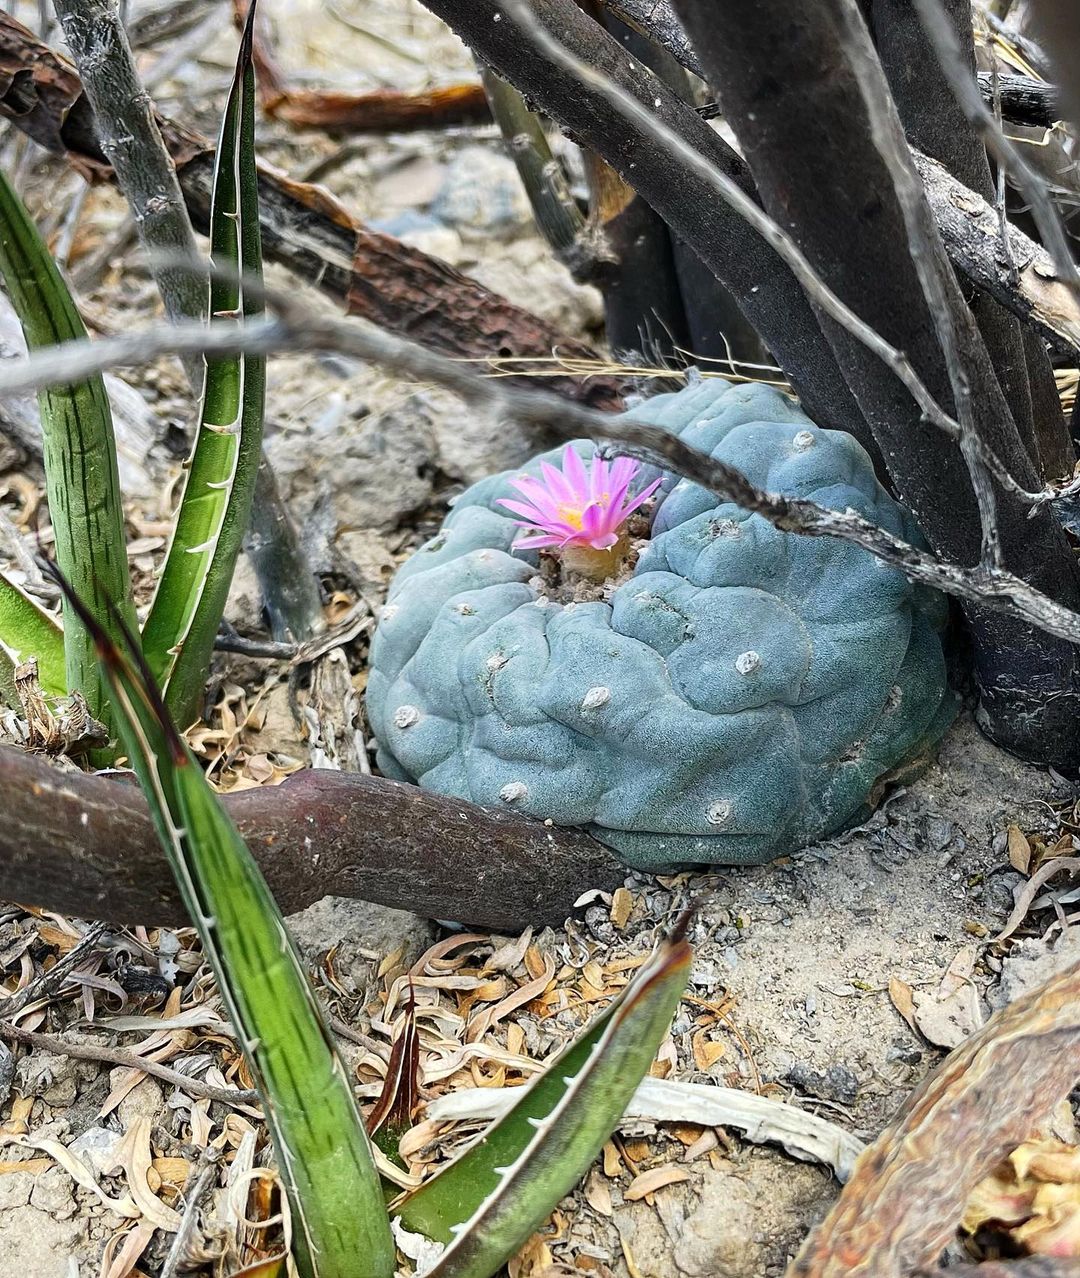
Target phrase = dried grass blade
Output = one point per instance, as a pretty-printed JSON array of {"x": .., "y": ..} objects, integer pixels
[{"x": 486, "y": 1203}]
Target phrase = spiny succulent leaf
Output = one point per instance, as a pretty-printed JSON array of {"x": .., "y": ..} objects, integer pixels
[
  {"x": 340, "y": 1226},
  {"x": 27, "y": 630},
  {"x": 79, "y": 446},
  {"x": 488, "y": 1202},
  {"x": 216, "y": 505}
]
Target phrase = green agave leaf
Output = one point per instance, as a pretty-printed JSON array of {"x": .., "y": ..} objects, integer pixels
[
  {"x": 488, "y": 1202},
  {"x": 27, "y": 630},
  {"x": 340, "y": 1227},
  {"x": 81, "y": 476},
  {"x": 215, "y": 509}
]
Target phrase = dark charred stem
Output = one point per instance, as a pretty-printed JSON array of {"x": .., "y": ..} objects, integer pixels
[
  {"x": 792, "y": 96},
  {"x": 762, "y": 284}
]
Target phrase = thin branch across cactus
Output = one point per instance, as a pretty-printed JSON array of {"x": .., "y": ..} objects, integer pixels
[{"x": 297, "y": 329}]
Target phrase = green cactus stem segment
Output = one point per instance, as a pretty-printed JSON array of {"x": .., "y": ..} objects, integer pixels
[{"x": 733, "y": 693}]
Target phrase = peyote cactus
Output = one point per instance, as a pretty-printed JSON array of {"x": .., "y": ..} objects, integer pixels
[{"x": 733, "y": 694}]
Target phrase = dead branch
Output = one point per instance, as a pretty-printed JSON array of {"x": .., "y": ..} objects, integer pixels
[
  {"x": 380, "y": 111},
  {"x": 808, "y": 139},
  {"x": 1021, "y": 277},
  {"x": 950, "y": 55},
  {"x": 934, "y": 123},
  {"x": 684, "y": 196},
  {"x": 84, "y": 846},
  {"x": 961, "y": 344},
  {"x": 297, "y": 329},
  {"x": 698, "y": 167},
  {"x": 1037, "y": 296},
  {"x": 1023, "y": 100},
  {"x": 902, "y": 1204},
  {"x": 1056, "y": 21},
  {"x": 303, "y": 227}
]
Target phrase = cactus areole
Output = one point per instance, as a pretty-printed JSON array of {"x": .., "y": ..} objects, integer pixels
[{"x": 716, "y": 692}]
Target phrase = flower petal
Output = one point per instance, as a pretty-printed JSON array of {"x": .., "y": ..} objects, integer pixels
[
  {"x": 557, "y": 483},
  {"x": 642, "y": 497},
  {"x": 599, "y": 482},
  {"x": 541, "y": 497},
  {"x": 623, "y": 471},
  {"x": 533, "y": 543},
  {"x": 524, "y": 509},
  {"x": 595, "y": 521},
  {"x": 576, "y": 474}
]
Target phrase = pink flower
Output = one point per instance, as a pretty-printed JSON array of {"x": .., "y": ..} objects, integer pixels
[{"x": 579, "y": 505}]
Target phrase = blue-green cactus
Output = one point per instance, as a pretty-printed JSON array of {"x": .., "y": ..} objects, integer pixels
[{"x": 738, "y": 696}]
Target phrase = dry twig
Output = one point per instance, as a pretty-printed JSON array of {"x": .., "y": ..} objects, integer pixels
[
  {"x": 132, "y": 1060},
  {"x": 297, "y": 329},
  {"x": 51, "y": 981},
  {"x": 953, "y": 321},
  {"x": 968, "y": 95}
]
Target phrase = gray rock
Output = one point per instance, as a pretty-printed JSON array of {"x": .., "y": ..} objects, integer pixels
[
  {"x": 373, "y": 471},
  {"x": 358, "y": 926},
  {"x": 470, "y": 443},
  {"x": 1032, "y": 962},
  {"x": 837, "y": 1083},
  {"x": 482, "y": 192},
  {"x": 145, "y": 1100},
  {"x": 52, "y": 1077},
  {"x": 37, "y": 1245},
  {"x": 733, "y": 1222},
  {"x": 427, "y": 234},
  {"x": 52, "y": 1193},
  {"x": 15, "y": 1189},
  {"x": 97, "y": 1149}
]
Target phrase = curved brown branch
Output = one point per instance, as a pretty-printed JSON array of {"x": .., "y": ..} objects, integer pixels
[
  {"x": 901, "y": 1206},
  {"x": 83, "y": 845},
  {"x": 303, "y": 227}
]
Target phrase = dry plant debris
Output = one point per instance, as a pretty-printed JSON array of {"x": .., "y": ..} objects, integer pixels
[{"x": 489, "y": 1012}]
